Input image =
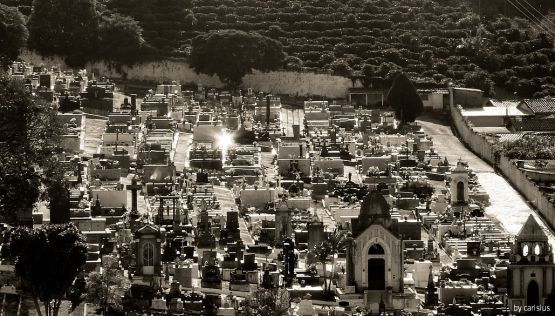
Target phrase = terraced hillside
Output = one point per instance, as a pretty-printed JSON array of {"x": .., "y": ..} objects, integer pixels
[{"x": 435, "y": 41}]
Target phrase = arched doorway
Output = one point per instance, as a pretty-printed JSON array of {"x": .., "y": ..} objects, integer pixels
[
  {"x": 460, "y": 192},
  {"x": 533, "y": 294},
  {"x": 148, "y": 259},
  {"x": 376, "y": 267}
]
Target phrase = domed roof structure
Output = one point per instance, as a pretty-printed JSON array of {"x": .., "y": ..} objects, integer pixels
[
  {"x": 373, "y": 210},
  {"x": 374, "y": 205}
]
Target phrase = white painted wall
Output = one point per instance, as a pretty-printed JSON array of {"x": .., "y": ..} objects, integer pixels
[{"x": 278, "y": 82}]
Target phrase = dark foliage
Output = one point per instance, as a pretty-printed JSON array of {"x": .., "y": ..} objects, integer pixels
[
  {"x": 64, "y": 27},
  {"x": 231, "y": 54},
  {"x": 531, "y": 147},
  {"x": 29, "y": 141},
  {"x": 81, "y": 31},
  {"x": 47, "y": 260},
  {"x": 121, "y": 38},
  {"x": 402, "y": 97},
  {"x": 433, "y": 42},
  {"x": 59, "y": 205},
  {"x": 13, "y": 34}
]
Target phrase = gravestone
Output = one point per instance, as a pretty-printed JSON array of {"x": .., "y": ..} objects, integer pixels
[
  {"x": 211, "y": 277},
  {"x": 202, "y": 177},
  {"x": 184, "y": 274}
]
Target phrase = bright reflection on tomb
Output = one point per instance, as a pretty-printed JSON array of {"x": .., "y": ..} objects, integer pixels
[{"x": 225, "y": 140}]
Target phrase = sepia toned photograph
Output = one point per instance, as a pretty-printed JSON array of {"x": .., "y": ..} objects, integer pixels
[{"x": 277, "y": 157}]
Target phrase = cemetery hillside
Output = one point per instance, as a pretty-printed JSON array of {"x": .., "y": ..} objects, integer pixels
[
  {"x": 498, "y": 46},
  {"x": 277, "y": 157}
]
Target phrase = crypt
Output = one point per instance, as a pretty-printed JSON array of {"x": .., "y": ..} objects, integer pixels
[{"x": 374, "y": 258}]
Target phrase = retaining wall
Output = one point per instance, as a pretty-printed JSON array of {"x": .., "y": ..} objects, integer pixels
[
  {"x": 278, "y": 82},
  {"x": 481, "y": 145}
]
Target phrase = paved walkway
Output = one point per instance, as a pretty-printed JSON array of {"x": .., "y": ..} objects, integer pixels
[
  {"x": 447, "y": 144},
  {"x": 181, "y": 157},
  {"x": 508, "y": 207},
  {"x": 227, "y": 203},
  {"x": 94, "y": 129}
]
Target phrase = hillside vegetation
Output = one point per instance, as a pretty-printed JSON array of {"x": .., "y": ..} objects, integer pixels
[{"x": 434, "y": 42}]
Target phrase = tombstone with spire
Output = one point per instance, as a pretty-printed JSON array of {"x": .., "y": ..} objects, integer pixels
[{"x": 431, "y": 295}]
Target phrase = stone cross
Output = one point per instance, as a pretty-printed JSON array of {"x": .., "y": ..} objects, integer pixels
[{"x": 134, "y": 187}]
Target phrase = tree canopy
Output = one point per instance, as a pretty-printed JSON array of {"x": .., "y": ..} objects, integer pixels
[
  {"x": 121, "y": 38},
  {"x": 271, "y": 302},
  {"x": 30, "y": 138},
  {"x": 480, "y": 80},
  {"x": 64, "y": 27},
  {"x": 81, "y": 31},
  {"x": 231, "y": 54},
  {"x": 47, "y": 260},
  {"x": 326, "y": 251},
  {"x": 367, "y": 74},
  {"x": 13, "y": 34},
  {"x": 107, "y": 288},
  {"x": 404, "y": 98}
]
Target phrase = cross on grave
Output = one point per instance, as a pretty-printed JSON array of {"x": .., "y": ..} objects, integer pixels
[{"x": 134, "y": 187}]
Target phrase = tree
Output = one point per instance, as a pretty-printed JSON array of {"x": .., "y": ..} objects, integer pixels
[
  {"x": 325, "y": 252},
  {"x": 480, "y": 80},
  {"x": 66, "y": 28},
  {"x": 293, "y": 63},
  {"x": 270, "y": 302},
  {"x": 402, "y": 96},
  {"x": 107, "y": 287},
  {"x": 13, "y": 34},
  {"x": 121, "y": 38},
  {"x": 58, "y": 196},
  {"x": 76, "y": 292},
  {"x": 29, "y": 140},
  {"x": 231, "y": 54},
  {"x": 341, "y": 67},
  {"x": 47, "y": 260},
  {"x": 368, "y": 71}
]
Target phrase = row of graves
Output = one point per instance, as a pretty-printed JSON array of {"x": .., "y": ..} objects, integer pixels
[
  {"x": 401, "y": 186},
  {"x": 174, "y": 243},
  {"x": 310, "y": 180},
  {"x": 50, "y": 83},
  {"x": 498, "y": 275},
  {"x": 203, "y": 256},
  {"x": 62, "y": 88},
  {"x": 263, "y": 111},
  {"x": 179, "y": 247},
  {"x": 188, "y": 247}
]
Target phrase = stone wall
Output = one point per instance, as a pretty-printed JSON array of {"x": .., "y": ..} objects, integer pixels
[
  {"x": 519, "y": 179},
  {"x": 278, "y": 82},
  {"x": 479, "y": 143},
  {"x": 483, "y": 147}
]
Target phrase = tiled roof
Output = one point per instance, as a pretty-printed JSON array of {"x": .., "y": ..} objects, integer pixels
[
  {"x": 491, "y": 130},
  {"x": 546, "y": 124},
  {"x": 503, "y": 103},
  {"x": 509, "y": 137},
  {"x": 531, "y": 230},
  {"x": 541, "y": 106}
]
